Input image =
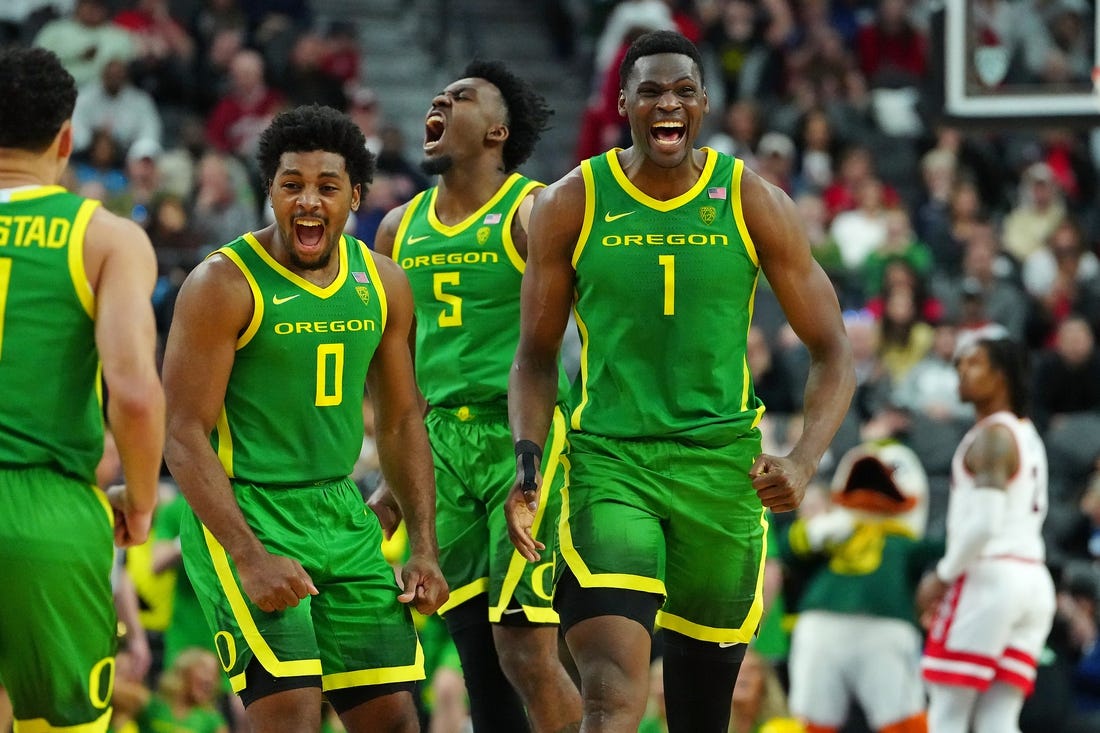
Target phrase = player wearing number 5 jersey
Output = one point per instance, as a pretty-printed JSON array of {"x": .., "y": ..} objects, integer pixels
[
  {"x": 990, "y": 602},
  {"x": 658, "y": 249},
  {"x": 273, "y": 339},
  {"x": 462, "y": 244},
  {"x": 75, "y": 287}
]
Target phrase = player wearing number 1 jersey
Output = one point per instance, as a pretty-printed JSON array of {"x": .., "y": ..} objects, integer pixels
[
  {"x": 658, "y": 249},
  {"x": 273, "y": 339},
  {"x": 75, "y": 283},
  {"x": 463, "y": 243}
]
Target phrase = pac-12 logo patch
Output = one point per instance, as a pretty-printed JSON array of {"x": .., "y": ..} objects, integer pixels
[
  {"x": 708, "y": 214},
  {"x": 364, "y": 294},
  {"x": 482, "y": 235}
]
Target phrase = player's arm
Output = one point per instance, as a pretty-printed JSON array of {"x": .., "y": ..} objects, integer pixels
[
  {"x": 122, "y": 270},
  {"x": 546, "y": 295},
  {"x": 403, "y": 448},
  {"x": 973, "y": 515},
  {"x": 214, "y": 306},
  {"x": 521, "y": 222},
  {"x": 810, "y": 305}
]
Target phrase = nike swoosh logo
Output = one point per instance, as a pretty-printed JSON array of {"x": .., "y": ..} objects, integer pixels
[
  {"x": 414, "y": 240},
  {"x": 727, "y": 644},
  {"x": 276, "y": 300},
  {"x": 608, "y": 216},
  {"x": 512, "y": 610}
]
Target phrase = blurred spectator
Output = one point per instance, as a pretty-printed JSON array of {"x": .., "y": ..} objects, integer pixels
[
  {"x": 396, "y": 180},
  {"x": 365, "y": 111},
  {"x": 220, "y": 29},
  {"x": 823, "y": 247},
  {"x": 186, "y": 696},
  {"x": 872, "y": 382},
  {"x": 770, "y": 379},
  {"x": 891, "y": 44},
  {"x": 775, "y": 161},
  {"x": 1063, "y": 276},
  {"x": 747, "y": 39},
  {"x": 856, "y": 166},
  {"x": 248, "y": 106},
  {"x": 818, "y": 144},
  {"x": 759, "y": 703},
  {"x": 904, "y": 339},
  {"x": 1040, "y": 207},
  {"x": 900, "y": 244},
  {"x": 218, "y": 209},
  {"x": 144, "y": 181},
  {"x": 900, "y": 275},
  {"x": 101, "y": 162},
  {"x": 931, "y": 387},
  {"x": 306, "y": 80},
  {"x": 1079, "y": 609},
  {"x": 20, "y": 21},
  {"x": 1067, "y": 377},
  {"x": 273, "y": 25},
  {"x": 627, "y": 19},
  {"x": 86, "y": 41},
  {"x": 113, "y": 104},
  {"x": 861, "y": 230},
  {"x": 1017, "y": 32},
  {"x": 983, "y": 293},
  {"x": 342, "y": 55},
  {"x": 932, "y": 214},
  {"x": 739, "y": 132},
  {"x": 948, "y": 237},
  {"x": 1069, "y": 55},
  {"x": 165, "y": 51}
]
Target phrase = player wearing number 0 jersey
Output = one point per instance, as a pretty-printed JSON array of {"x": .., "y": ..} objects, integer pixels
[
  {"x": 990, "y": 602},
  {"x": 462, "y": 244},
  {"x": 75, "y": 287}
]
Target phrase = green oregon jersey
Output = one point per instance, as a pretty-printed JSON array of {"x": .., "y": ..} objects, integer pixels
[
  {"x": 466, "y": 282},
  {"x": 50, "y": 399},
  {"x": 664, "y": 296},
  {"x": 293, "y": 411}
]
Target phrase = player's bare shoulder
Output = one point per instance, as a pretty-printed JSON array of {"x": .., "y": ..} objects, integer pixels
[
  {"x": 112, "y": 236},
  {"x": 385, "y": 238}
]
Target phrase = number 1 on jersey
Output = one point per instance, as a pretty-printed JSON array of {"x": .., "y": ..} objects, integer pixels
[
  {"x": 5, "y": 280},
  {"x": 668, "y": 262}
]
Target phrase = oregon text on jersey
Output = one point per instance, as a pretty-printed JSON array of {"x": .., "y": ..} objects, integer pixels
[
  {"x": 33, "y": 231},
  {"x": 450, "y": 258},
  {"x": 285, "y": 328},
  {"x": 659, "y": 240}
]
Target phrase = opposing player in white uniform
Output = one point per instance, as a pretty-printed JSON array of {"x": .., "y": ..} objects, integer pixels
[{"x": 989, "y": 604}]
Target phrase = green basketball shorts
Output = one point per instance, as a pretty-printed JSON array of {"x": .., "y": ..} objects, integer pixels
[
  {"x": 665, "y": 517},
  {"x": 58, "y": 629},
  {"x": 353, "y": 633},
  {"x": 475, "y": 467}
]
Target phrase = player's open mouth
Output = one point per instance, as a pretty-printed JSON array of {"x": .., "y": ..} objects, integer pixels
[
  {"x": 309, "y": 233},
  {"x": 668, "y": 133},
  {"x": 434, "y": 126}
]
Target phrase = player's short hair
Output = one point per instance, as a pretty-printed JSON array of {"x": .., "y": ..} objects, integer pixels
[
  {"x": 38, "y": 96},
  {"x": 315, "y": 127},
  {"x": 528, "y": 113},
  {"x": 655, "y": 42}
]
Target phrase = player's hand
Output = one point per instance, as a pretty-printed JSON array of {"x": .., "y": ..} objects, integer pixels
[
  {"x": 930, "y": 593},
  {"x": 384, "y": 505},
  {"x": 423, "y": 584},
  {"x": 780, "y": 482},
  {"x": 131, "y": 525},
  {"x": 274, "y": 582},
  {"x": 520, "y": 507}
]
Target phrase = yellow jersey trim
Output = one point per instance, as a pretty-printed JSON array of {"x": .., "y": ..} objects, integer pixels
[
  {"x": 739, "y": 212},
  {"x": 644, "y": 198},
  {"x": 473, "y": 218},
  {"x": 77, "y": 272},
  {"x": 372, "y": 269},
  {"x": 225, "y": 443},
  {"x": 589, "y": 210},
  {"x": 41, "y": 725},
  {"x": 517, "y": 564},
  {"x": 32, "y": 192},
  {"x": 506, "y": 231},
  {"x": 257, "y": 297},
  {"x": 382, "y": 676},
  {"x": 403, "y": 226},
  {"x": 461, "y": 595},
  {"x": 316, "y": 290},
  {"x": 582, "y": 330},
  {"x": 263, "y": 653}
]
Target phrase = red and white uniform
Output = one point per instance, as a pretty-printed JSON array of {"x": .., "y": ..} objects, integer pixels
[{"x": 994, "y": 621}]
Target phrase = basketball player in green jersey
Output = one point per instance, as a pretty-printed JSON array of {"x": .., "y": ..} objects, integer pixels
[
  {"x": 658, "y": 248},
  {"x": 273, "y": 339},
  {"x": 463, "y": 244},
  {"x": 75, "y": 289}
]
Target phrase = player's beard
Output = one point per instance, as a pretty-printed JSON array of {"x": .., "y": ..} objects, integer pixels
[{"x": 437, "y": 166}]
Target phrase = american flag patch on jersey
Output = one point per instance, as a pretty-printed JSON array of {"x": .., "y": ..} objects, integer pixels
[
  {"x": 360, "y": 277},
  {"x": 492, "y": 218},
  {"x": 717, "y": 192}
]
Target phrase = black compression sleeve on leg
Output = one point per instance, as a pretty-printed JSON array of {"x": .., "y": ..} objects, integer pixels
[
  {"x": 699, "y": 678},
  {"x": 494, "y": 703}
]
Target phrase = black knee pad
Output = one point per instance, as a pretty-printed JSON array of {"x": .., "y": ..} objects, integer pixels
[
  {"x": 575, "y": 604},
  {"x": 699, "y": 677},
  {"x": 260, "y": 683}
]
